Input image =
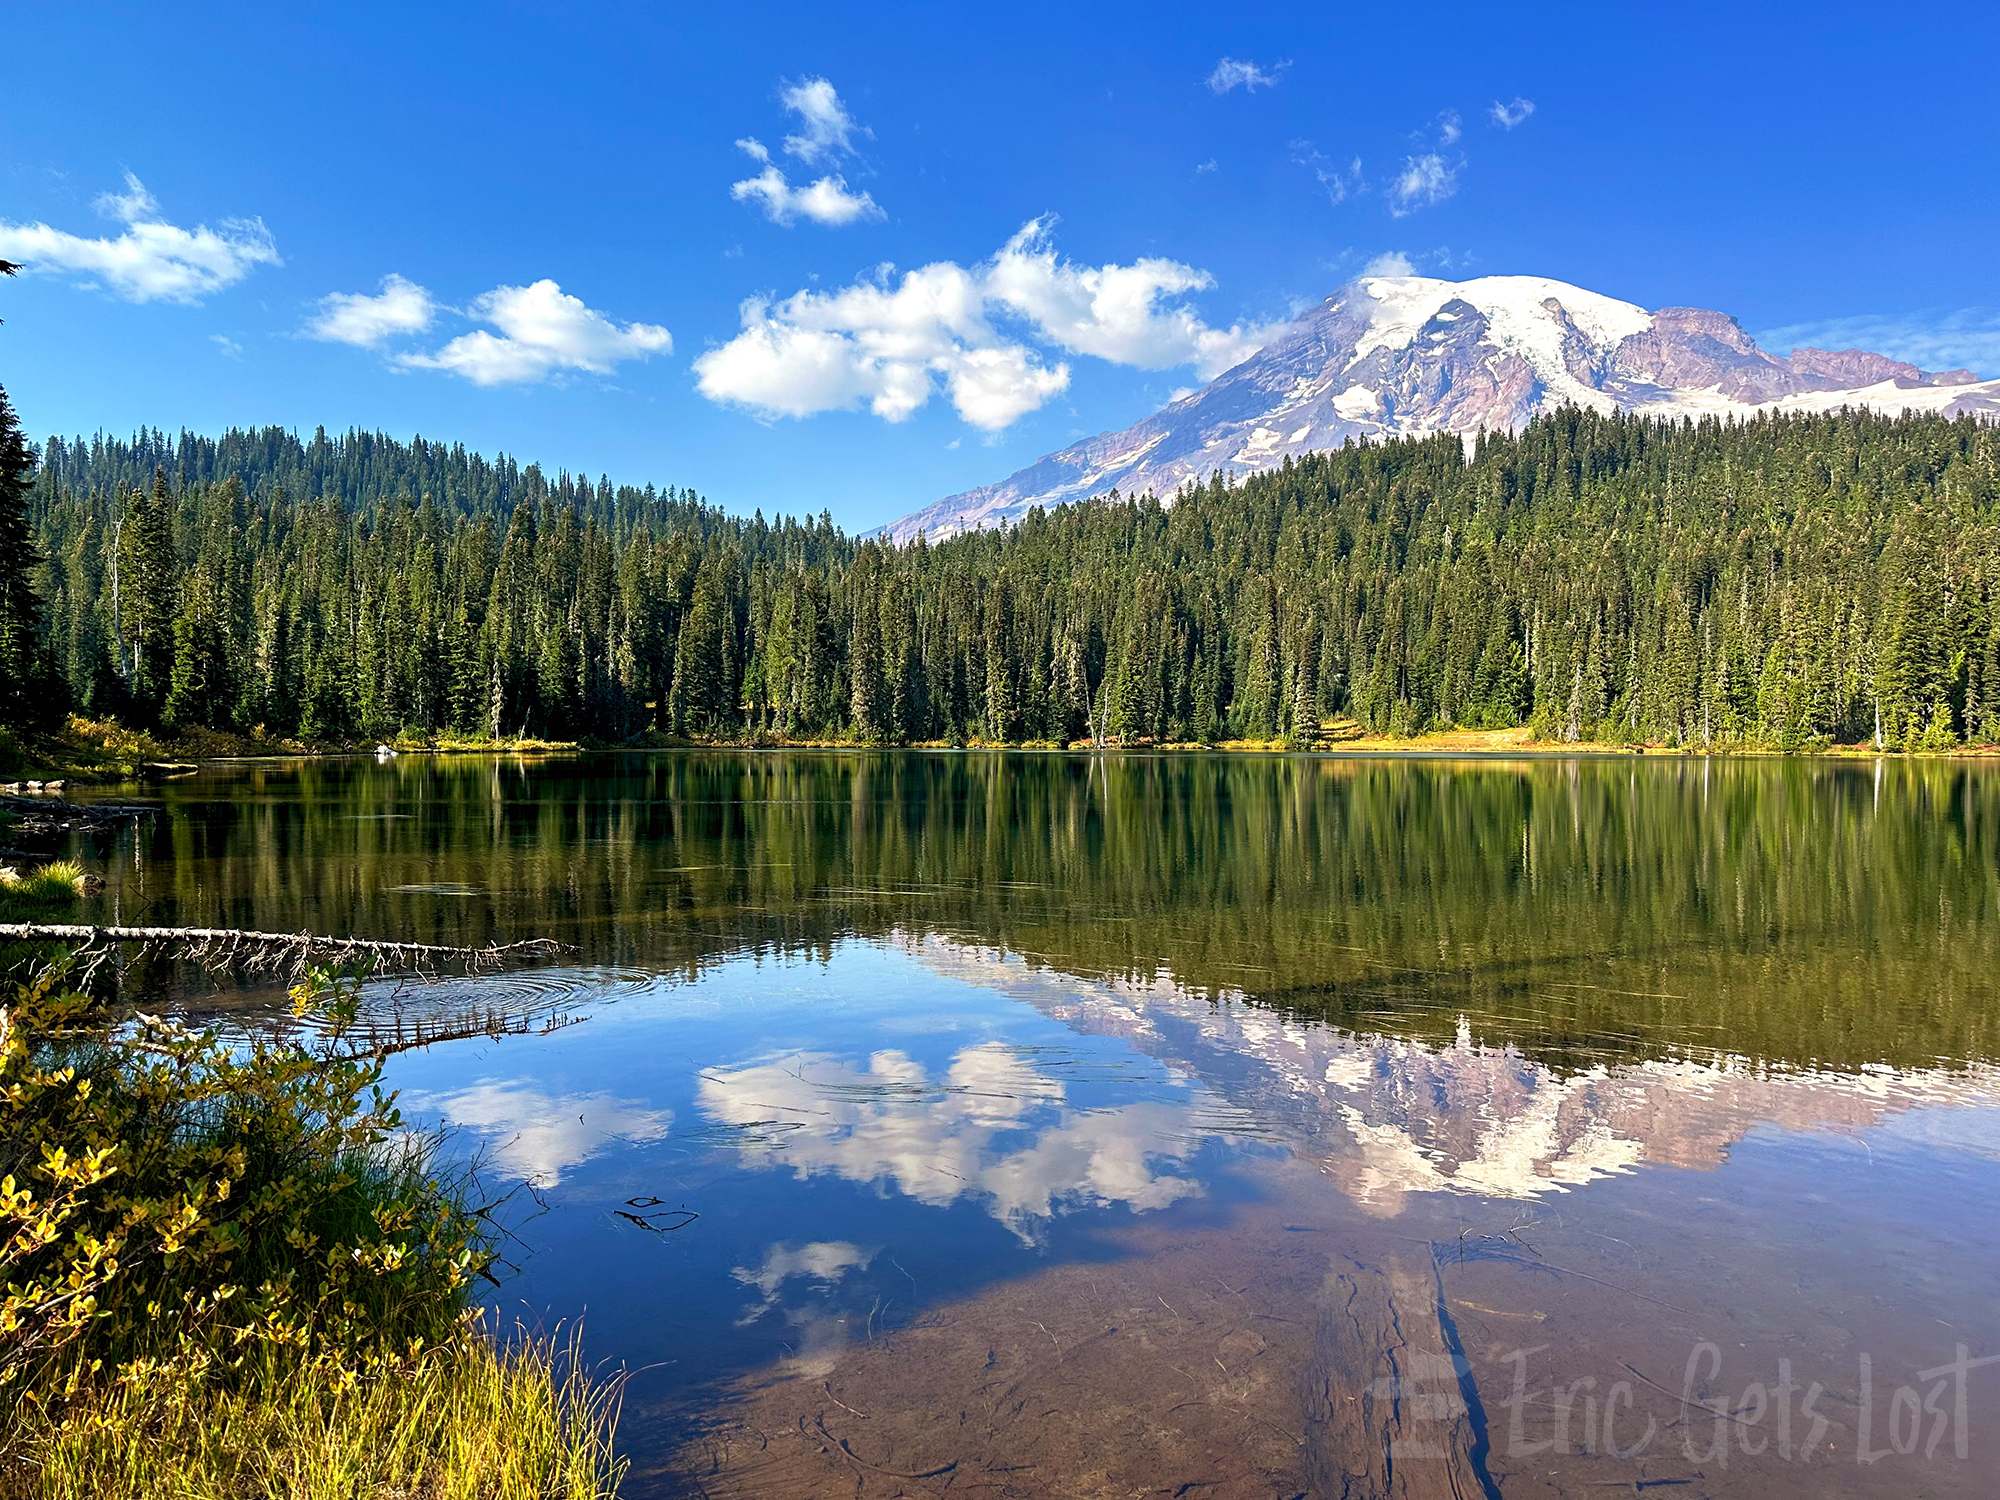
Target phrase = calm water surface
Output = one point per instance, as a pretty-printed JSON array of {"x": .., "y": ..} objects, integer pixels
[{"x": 1203, "y": 1126}]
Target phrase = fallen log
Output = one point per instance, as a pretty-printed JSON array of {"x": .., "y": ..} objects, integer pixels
[
  {"x": 70, "y": 813},
  {"x": 1385, "y": 1392},
  {"x": 275, "y": 946}
]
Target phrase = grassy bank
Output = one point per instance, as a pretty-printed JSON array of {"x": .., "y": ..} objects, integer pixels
[
  {"x": 463, "y": 1421},
  {"x": 103, "y": 750},
  {"x": 87, "y": 750},
  {"x": 39, "y": 891},
  {"x": 230, "y": 1270},
  {"x": 1336, "y": 737}
]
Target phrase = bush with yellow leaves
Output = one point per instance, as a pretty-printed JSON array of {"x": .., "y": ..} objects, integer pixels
[{"x": 204, "y": 1237}]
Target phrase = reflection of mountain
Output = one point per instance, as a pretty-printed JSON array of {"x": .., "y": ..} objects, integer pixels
[
  {"x": 995, "y": 1128},
  {"x": 1386, "y": 1116}
]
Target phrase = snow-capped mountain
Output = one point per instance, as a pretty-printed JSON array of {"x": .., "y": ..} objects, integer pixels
[{"x": 1392, "y": 356}]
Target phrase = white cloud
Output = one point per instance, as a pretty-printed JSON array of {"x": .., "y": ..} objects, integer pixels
[
  {"x": 1424, "y": 180},
  {"x": 826, "y": 129},
  {"x": 229, "y": 347},
  {"x": 1232, "y": 73},
  {"x": 1203, "y": 167},
  {"x": 133, "y": 206},
  {"x": 367, "y": 322},
  {"x": 152, "y": 260},
  {"x": 1966, "y": 339},
  {"x": 1507, "y": 116},
  {"x": 1341, "y": 183},
  {"x": 826, "y": 201},
  {"x": 1389, "y": 263},
  {"x": 826, "y": 134},
  {"x": 888, "y": 344},
  {"x": 881, "y": 345},
  {"x": 1114, "y": 312},
  {"x": 542, "y": 331},
  {"x": 1449, "y": 128}
]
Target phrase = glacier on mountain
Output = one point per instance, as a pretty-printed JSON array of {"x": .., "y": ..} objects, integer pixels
[{"x": 1397, "y": 356}]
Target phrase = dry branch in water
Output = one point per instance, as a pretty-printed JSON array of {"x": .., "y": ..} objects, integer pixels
[{"x": 275, "y": 948}]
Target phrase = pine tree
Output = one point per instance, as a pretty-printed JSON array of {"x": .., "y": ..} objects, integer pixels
[
  {"x": 1305, "y": 726},
  {"x": 700, "y": 694},
  {"x": 202, "y": 689},
  {"x": 867, "y": 693},
  {"x": 152, "y": 595},
  {"x": 27, "y": 693},
  {"x": 1003, "y": 706}
]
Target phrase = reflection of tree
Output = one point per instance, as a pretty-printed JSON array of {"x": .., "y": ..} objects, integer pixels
[{"x": 1818, "y": 913}]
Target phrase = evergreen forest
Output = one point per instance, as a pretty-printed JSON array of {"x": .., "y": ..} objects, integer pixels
[{"x": 1785, "y": 583}]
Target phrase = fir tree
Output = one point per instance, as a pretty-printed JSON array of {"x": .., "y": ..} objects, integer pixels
[{"x": 26, "y": 691}]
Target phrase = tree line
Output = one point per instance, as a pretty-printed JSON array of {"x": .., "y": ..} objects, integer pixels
[
  {"x": 1482, "y": 883},
  {"x": 1784, "y": 582}
]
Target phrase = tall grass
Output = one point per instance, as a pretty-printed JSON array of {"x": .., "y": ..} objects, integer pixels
[
  {"x": 466, "y": 1420},
  {"x": 53, "y": 884}
]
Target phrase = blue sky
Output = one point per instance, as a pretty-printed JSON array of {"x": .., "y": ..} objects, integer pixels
[{"x": 967, "y": 235}]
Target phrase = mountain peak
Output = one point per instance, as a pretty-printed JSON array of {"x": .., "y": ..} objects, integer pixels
[{"x": 1400, "y": 356}]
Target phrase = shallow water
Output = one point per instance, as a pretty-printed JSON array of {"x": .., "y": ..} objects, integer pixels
[{"x": 1043, "y": 1125}]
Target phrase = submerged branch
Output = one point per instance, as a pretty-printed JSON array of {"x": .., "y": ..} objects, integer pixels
[{"x": 274, "y": 947}]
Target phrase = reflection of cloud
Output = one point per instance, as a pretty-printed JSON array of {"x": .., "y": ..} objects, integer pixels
[
  {"x": 824, "y": 1261},
  {"x": 1975, "y": 1129},
  {"x": 998, "y": 1084},
  {"x": 1095, "y": 1159},
  {"x": 542, "y": 1135},
  {"x": 938, "y": 1141}
]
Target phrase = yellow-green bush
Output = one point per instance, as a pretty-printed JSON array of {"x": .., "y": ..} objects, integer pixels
[{"x": 238, "y": 1252}]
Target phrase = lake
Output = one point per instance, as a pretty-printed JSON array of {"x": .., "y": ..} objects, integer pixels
[{"x": 1213, "y": 1126}]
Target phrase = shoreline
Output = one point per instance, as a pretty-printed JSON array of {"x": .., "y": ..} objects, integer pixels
[
  {"x": 1442, "y": 747},
  {"x": 95, "y": 754}
]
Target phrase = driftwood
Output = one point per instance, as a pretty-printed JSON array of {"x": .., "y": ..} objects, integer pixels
[
  {"x": 274, "y": 948},
  {"x": 64, "y": 814},
  {"x": 372, "y": 1038},
  {"x": 1385, "y": 1393},
  {"x": 38, "y": 821}
]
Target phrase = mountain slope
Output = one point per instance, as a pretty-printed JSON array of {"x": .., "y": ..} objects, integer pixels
[{"x": 1392, "y": 356}]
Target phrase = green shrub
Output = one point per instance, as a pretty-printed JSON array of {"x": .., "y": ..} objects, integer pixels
[{"x": 200, "y": 1239}]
